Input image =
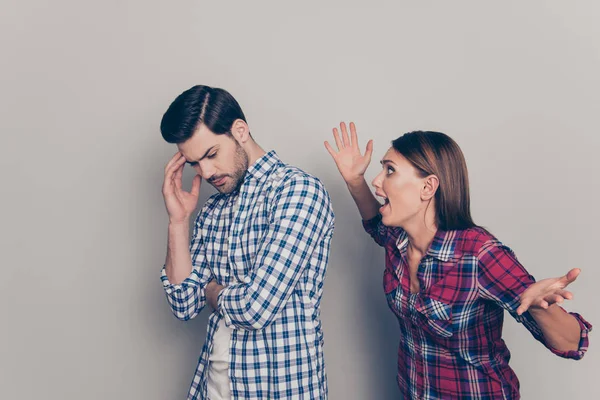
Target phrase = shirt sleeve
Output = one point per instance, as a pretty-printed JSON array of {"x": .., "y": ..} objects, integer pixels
[
  {"x": 301, "y": 219},
  {"x": 379, "y": 232},
  {"x": 187, "y": 299},
  {"x": 502, "y": 279}
]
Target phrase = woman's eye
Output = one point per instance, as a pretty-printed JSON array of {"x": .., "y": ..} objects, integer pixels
[
  {"x": 211, "y": 155},
  {"x": 389, "y": 170}
]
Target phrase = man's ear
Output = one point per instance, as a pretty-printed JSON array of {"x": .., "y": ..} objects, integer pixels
[{"x": 240, "y": 131}]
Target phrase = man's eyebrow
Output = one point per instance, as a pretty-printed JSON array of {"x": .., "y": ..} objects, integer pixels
[{"x": 203, "y": 157}]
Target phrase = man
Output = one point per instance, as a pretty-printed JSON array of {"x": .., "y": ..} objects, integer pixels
[{"x": 258, "y": 255}]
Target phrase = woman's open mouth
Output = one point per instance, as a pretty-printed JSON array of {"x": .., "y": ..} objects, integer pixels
[{"x": 385, "y": 205}]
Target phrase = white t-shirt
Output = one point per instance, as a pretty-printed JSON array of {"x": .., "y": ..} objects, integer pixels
[{"x": 218, "y": 384}]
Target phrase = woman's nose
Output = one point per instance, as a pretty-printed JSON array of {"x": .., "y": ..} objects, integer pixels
[{"x": 377, "y": 181}]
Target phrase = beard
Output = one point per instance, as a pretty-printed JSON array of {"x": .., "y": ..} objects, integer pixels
[{"x": 240, "y": 162}]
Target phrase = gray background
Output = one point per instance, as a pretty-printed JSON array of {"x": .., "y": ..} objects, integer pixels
[{"x": 83, "y": 86}]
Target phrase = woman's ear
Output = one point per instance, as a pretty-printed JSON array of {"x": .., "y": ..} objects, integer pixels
[{"x": 430, "y": 186}]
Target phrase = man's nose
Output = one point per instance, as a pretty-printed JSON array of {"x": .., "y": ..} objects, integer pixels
[{"x": 206, "y": 171}]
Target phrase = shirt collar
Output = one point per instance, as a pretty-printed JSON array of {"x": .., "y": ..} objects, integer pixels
[
  {"x": 261, "y": 167},
  {"x": 441, "y": 248}
]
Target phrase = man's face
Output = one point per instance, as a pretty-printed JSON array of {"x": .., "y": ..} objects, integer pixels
[{"x": 219, "y": 159}]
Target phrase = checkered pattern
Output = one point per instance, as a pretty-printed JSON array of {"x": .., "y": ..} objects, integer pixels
[
  {"x": 450, "y": 341},
  {"x": 268, "y": 244}
]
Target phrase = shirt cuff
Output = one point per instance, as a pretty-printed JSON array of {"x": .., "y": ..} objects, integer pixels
[
  {"x": 170, "y": 287},
  {"x": 371, "y": 224},
  {"x": 586, "y": 328}
]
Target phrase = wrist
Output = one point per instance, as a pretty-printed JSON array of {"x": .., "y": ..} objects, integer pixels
[
  {"x": 213, "y": 289},
  {"x": 173, "y": 223},
  {"x": 537, "y": 312},
  {"x": 356, "y": 182}
]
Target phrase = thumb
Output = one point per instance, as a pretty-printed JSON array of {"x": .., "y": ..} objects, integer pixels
[
  {"x": 572, "y": 275},
  {"x": 196, "y": 185},
  {"x": 369, "y": 151}
]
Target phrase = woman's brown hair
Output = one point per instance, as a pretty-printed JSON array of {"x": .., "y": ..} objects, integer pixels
[{"x": 435, "y": 153}]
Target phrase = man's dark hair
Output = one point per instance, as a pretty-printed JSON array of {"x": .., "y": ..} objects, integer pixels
[{"x": 213, "y": 107}]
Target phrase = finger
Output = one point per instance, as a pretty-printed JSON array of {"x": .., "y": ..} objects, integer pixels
[
  {"x": 543, "y": 304},
  {"x": 338, "y": 141},
  {"x": 169, "y": 182},
  {"x": 345, "y": 137},
  {"x": 524, "y": 306},
  {"x": 554, "y": 298},
  {"x": 173, "y": 159},
  {"x": 369, "y": 151},
  {"x": 173, "y": 167},
  {"x": 353, "y": 136},
  {"x": 167, "y": 187},
  {"x": 330, "y": 149},
  {"x": 558, "y": 296},
  {"x": 196, "y": 185},
  {"x": 178, "y": 177},
  {"x": 565, "y": 294}
]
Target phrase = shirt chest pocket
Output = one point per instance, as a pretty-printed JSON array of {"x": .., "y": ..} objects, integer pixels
[{"x": 435, "y": 316}]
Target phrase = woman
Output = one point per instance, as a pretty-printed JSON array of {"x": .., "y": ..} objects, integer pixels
[{"x": 447, "y": 280}]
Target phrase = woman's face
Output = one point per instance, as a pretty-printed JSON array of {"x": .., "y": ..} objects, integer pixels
[{"x": 401, "y": 187}]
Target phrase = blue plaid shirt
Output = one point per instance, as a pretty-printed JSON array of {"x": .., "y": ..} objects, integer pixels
[{"x": 268, "y": 244}]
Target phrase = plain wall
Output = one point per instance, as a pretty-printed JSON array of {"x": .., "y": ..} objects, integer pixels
[{"x": 83, "y": 237}]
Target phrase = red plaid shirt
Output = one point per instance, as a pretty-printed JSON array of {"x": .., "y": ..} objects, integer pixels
[{"x": 451, "y": 330}]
